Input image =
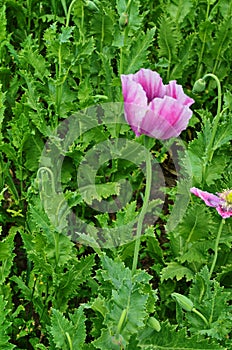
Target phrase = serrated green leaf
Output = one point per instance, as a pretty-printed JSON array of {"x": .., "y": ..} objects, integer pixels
[
  {"x": 30, "y": 55},
  {"x": 107, "y": 341},
  {"x": 213, "y": 301},
  {"x": 4, "y": 326},
  {"x": 175, "y": 270},
  {"x": 139, "y": 51},
  {"x": 197, "y": 223},
  {"x": 66, "y": 333},
  {"x": 223, "y": 135},
  {"x": 115, "y": 273},
  {"x": 215, "y": 169},
  {"x": 33, "y": 147},
  {"x": 168, "y": 39},
  {"x": 69, "y": 281},
  {"x": 7, "y": 255},
  {"x": 98, "y": 191},
  {"x": 66, "y": 34},
  {"x": 170, "y": 338},
  {"x": 222, "y": 40},
  {"x": 127, "y": 305},
  {"x": 198, "y": 252},
  {"x": 178, "y": 10}
]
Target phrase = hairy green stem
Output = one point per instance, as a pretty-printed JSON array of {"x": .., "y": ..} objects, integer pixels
[
  {"x": 199, "y": 66},
  {"x": 29, "y": 15},
  {"x": 69, "y": 12},
  {"x": 59, "y": 87},
  {"x": 216, "y": 247},
  {"x": 125, "y": 36},
  {"x": 143, "y": 211}
]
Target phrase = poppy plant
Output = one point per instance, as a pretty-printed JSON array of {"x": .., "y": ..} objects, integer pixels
[
  {"x": 152, "y": 108},
  {"x": 222, "y": 201}
]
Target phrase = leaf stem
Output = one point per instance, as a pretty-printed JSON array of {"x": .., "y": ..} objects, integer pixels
[
  {"x": 216, "y": 247},
  {"x": 143, "y": 211}
]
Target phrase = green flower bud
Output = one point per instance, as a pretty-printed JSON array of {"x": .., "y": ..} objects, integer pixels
[
  {"x": 123, "y": 20},
  {"x": 122, "y": 320},
  {"x": 183, "y": 301},
  {"x": 199, "y": 86},
  {"x": 154, "y": 323},
  {"x": 92, "y": 6}
]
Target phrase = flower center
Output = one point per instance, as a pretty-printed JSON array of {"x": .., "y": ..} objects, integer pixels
[
  {"x": 229, "y": 197},
  {"x": 226, "y": 196}
]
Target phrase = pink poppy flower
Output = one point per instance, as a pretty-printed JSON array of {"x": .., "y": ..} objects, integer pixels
[
  {"x": 152, "y": 108},
  {"x": 222, "y": 201}
]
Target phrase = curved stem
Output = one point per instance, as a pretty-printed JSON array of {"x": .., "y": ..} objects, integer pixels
[
  {"x": 69, "y": 12},
  {"x": 210, "y": 150},
  {"x": 216, "y": 120},
  {"x": 143, "y": 211},
  {"x": 69, "y": 341},
  {"x": 216, "y": 247},
  {"x": 200, "y": 315},
  {"x": 45, "y": 169}
]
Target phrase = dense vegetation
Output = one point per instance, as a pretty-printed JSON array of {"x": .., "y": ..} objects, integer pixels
[{"x": 73, "y": 178}]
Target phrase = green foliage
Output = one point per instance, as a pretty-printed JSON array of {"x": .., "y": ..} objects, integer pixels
[
  {"x": 124, "y": 305},
  {"x": 189, "y": 32},
  {"x": 174, "y": 270},
  {"x": 213, "y": 315},
  {"x": 67, "y": 240},
  {"x": 6, "y": 255},
  {"x": 170, "y": 338},
  {"x": 4, "y": 326},
  {"x": 68, "y": 333}
]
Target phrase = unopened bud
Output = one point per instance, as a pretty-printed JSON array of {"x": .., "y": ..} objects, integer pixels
[
  {"x": 154, "y": 323},
  {"x": 92, "y": 6},
  {"x": 123, "y": 20},
  {"x": 183, "y": 301},
  {"x": 199, "y": 86}
]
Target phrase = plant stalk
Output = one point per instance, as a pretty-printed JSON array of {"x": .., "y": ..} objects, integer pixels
[
  {"x": 217, "y": 118},
  {"x": 216, "y": 247},
  {"x": 143, "y": 211}
]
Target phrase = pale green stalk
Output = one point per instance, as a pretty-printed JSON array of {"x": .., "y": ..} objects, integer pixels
[
  {"x": 143, "y": 211},
  {"x": 199, "y": 66},
  {"x": 216, "y": 247},
  {"x": 217, "y": 118},
  {"x": 69, "y": 12}
]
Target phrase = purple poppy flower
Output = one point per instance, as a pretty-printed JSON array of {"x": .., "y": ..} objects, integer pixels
[
  {"x": 152, "y": 108},
  {"x": 222, "y": 201}
]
